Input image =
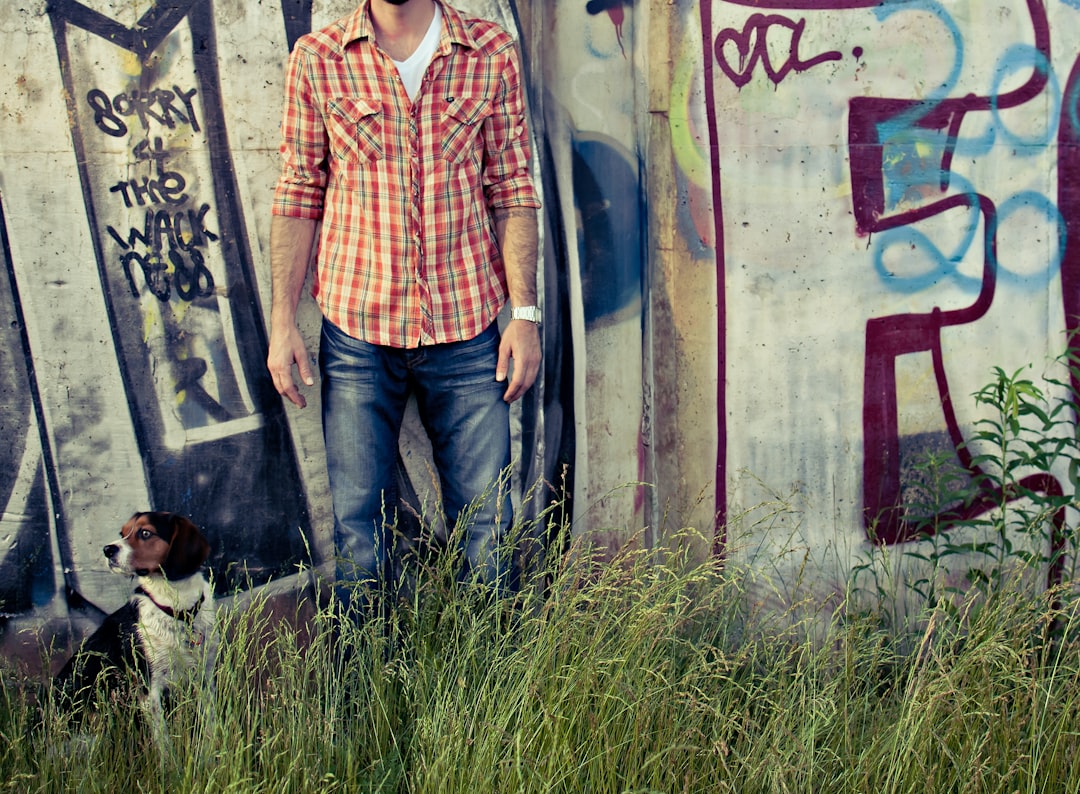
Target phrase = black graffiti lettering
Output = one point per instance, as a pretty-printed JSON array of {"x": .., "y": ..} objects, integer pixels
[
  {"x": 157, "y": 152},
  {"x": 135, "y": 236},
  {"x": 168, "y": 188},
  {"x": 179, "y": 236},
  {"x": 186, "y": 97},
  {"x": 163, "y": 228},
  {"x": 166, "y": 250},
  {"x": 176, "y": 233},
  {"x": 154, "y": 274},
  {"x": 172, "y": 228},
  {"x": 138, "y": 103},
  {"x": 197, "y": 224},
  {"x": 197, "y": 231},
  {"x": 121, "y": 187},
  {"x": 104, "y": 115},
  {"x": 193, "y": 282},
  {"x": 160, "y": 226},
  {"x": 157, "y": 105}
]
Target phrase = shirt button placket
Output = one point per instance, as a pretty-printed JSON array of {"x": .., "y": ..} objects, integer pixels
[{"x": 426, "y": 324}]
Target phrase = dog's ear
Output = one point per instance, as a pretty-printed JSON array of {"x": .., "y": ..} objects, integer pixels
[{"x": 188, "y": 549}]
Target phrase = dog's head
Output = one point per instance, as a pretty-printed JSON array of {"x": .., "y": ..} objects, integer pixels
[{"x": 158, "y": 543}]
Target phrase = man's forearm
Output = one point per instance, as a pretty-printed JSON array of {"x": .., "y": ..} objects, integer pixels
[
  {"x": 516, "y": 232},
  {"x": 291, "y": 241}
]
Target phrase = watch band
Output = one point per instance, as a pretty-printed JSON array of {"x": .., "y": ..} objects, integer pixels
[{"x": 530, "y": 313}]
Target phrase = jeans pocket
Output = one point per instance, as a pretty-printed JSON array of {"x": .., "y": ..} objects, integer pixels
[
  {"x": 471, "y": 364},
  {"x": 346, "y": 362}
]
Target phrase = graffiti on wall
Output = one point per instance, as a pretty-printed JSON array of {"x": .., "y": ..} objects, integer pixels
[
  {"x": 592, "y": 142},
  {"x": 885, "y": 194},
  {"x": 25, "y": 550},
  {"x": 885, "y": 190},
  {"x": 924, "y": 177},
  {"x": 138, "y": 333},
  {"x": 177, "y": 279}
]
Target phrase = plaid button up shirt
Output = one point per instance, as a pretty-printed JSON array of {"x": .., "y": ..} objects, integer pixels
[{"x": 405, "y": 190}]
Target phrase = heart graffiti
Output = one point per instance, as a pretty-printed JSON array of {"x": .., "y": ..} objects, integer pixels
[{"x": 738, "y": 52}]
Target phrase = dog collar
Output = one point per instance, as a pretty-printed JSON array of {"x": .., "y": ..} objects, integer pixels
[{"x": 186, "y": 615}]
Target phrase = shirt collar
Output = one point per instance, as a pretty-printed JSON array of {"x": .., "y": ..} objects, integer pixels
[{"x": 358, "y": 26}]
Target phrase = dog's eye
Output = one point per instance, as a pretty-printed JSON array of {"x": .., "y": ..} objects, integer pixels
[{"x": 144, "y": 534}]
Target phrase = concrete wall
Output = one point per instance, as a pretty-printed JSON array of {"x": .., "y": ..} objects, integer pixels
[
  {"x": 893, "y": 201},
  {"x": 777, "y": 237}
]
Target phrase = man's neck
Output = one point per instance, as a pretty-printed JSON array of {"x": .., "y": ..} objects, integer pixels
[{"x": 399, "y": 28}]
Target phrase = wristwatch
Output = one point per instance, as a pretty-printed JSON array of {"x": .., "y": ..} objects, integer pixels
[{"x": 530, "y": 313}]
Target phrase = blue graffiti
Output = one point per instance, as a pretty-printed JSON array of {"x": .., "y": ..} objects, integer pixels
[
  {"x": 902, "y": 123},
  {"x": 911, "y": 165},
  {"x": 1025, "y": 57},
  {"x": 1072, "y": 104},
  {"x": 915, "y": 248},
  {"x": 914, "y": 171},
  {"x": 904, "y": 130},
  {"x": 1031, "y": 200}
]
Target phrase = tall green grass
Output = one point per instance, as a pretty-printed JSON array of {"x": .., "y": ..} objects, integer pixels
[{"x": 643, "y": 673}]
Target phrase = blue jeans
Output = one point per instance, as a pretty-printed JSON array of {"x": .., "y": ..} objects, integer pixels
[{"x": 365, "y": 389}]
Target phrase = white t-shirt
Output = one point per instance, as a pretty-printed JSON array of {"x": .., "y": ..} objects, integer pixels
[{"x": 412, "y": 68}]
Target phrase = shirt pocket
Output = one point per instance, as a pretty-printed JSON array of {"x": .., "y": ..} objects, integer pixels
[
  {"x": 461, "y": 123},
  {"x": 355, "y": 129}
]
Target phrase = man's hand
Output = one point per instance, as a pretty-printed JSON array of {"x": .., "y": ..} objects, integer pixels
[
  {"x": 291, "y": 241},
  {"x": 516, "y": 231},
  {"x": 286, "y": 348},
  {"x": 520, "y": 342}
]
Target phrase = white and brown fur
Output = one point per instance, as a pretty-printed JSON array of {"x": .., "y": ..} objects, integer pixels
[{"x": 163, "y": 634}]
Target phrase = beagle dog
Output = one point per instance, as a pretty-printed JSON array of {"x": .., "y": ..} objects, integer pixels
[{"x": 162, "y": 634}]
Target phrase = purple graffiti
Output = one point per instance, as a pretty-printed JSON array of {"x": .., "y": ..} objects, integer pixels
[
  {"x": 808, "y": 5},
  {"x": 1069, "y": 205},
  {"x": 750, "y": 47},
  {"x": 889, "y": 337},
  {"x": 874, "y": 124}
]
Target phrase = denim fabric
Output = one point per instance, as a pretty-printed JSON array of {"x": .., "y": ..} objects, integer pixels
[{"x": 365, "y": 388}]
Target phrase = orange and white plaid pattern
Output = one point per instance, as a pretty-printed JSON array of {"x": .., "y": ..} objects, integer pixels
[{"x": 405, "y": 190}]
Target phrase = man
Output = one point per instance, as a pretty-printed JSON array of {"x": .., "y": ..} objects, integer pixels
[{"x": 404, "y": 134}]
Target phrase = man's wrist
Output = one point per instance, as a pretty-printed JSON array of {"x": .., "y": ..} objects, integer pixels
[{"x": 530, "y": 313}]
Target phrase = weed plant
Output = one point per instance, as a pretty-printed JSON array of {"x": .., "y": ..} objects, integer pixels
[{"x": 999, "y": 513}]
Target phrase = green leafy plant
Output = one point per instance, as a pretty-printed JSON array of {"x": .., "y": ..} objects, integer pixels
[
  {"x": 991, "y": 515},
  {"x": 1020, "y": 446}
]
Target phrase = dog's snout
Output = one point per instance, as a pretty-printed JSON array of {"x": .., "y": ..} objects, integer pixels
[{"x": 111, "y": 550}]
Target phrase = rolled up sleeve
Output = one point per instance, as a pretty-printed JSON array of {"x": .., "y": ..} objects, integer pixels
[
  {"x": 506, "y": 176},
  {"x": 301, "y": 185}
]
